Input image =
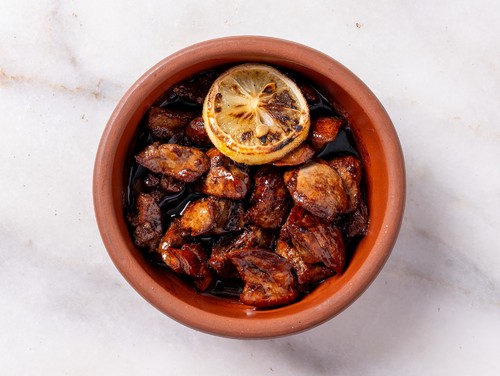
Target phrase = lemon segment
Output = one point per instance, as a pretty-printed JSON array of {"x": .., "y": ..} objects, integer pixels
[{"x": 255, "y": 114}]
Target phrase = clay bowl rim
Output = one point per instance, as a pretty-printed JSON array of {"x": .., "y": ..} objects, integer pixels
[{"x": 108, "y": 178}]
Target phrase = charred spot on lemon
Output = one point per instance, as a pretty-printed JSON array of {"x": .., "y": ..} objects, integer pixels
[{"x": 255, "y": 114}]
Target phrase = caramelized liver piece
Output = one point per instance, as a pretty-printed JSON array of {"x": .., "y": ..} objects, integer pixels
[
  {"x": 170, "y": 184},
  {"x": 212, "y": 215},
  {"x": 270, "y": 201},
  {"x": 322, "y": 240},
  {"x": 307, "y": 274},
  {"x": 163, "y": 183},
  {"x": 305, "y": 253},
  {"x": 225, "y": 178},
  {"x": 219, "y": 260},
  {"x": 147, "y": 222},
  {"x": 183, "y": 260},
  {"x": 191, "y": 260},
  {"x": 317, "y": 188},
  {"x": 356, "y": 223},
  {"x": 252, "y": 236},
  {"x": 205, "y": 281},
  {"x": 152, "y": 180},
  {"x": 297, "y": 156},
  {"x": 195, "y": 89},
  {"x": 323, "y": 131},
  {"x": 310, "y": 94},
  {"x": 174, "y": 237},
  {"x": 232, "y": 216},
  {"x": 268, "y": 277},
  {"x": 180, "y": 162},
  {"x": 349, "y": 169},
  {"x": 165, "y": 123},
  {"x": 196, "y": 133}
]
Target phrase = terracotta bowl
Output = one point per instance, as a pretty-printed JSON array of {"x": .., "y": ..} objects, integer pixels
[{"x": 384, "y": 173}]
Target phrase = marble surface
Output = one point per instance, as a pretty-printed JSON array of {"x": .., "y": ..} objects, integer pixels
[{"x": 435, "y": 307}]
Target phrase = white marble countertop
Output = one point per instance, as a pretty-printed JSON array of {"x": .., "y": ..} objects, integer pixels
[{"x": 66, "y": 310}]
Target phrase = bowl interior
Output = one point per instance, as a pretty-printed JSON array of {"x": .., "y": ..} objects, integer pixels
[{"x": 384, "y": 174}]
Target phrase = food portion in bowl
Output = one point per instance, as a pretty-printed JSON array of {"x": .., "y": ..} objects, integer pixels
[{"x": 246, "y": 182}]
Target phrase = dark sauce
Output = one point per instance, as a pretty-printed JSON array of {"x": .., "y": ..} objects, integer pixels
[
  {"x": 226, "y": 288},
  {"x": 172, "y": 205},
  {"x": 342, "y": 145}
]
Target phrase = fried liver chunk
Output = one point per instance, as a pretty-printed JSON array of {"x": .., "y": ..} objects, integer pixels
[
  {"x": 174, "y": 237},
  {"x": 268, "y": 277},
  {"x": 146, "y": 222},
  {"x": 196, "y": 133},
  {"x": 324, "y": 130},
  {"x": 165, "y": 123},
  {"x": 310, "y": 94},
  {"x": 225, "y": 178},
  {"x": 297, "y": 156},
  {"x": 356, "y": 223},
  {"x": 317, "y": 188},
  {"x": 315, "y": 239},
  {"x": 195, "y": 89},
  {"x": 270, "y": 201},
  {"x": 170, "y": 184},
  {"x": 307, "y": 273},
  {"x": 164, "y": 183},
  {"x": 191, "y": 260},
  {"x": 152, "y": 180},
  {"x": 252, "y": 236},
  {"x": 180, "y": 162},
  {"x": 212, "y": 215},
  {"x": 349, "y": 170}
]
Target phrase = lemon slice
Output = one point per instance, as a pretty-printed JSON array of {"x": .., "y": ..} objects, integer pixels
[{"x": 255, "y": 114}]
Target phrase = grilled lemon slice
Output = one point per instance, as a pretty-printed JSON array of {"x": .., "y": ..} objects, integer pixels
[{"x": 255, "y": 114}]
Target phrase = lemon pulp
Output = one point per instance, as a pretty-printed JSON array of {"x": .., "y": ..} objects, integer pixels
[{"x": 255, "y": 114}]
